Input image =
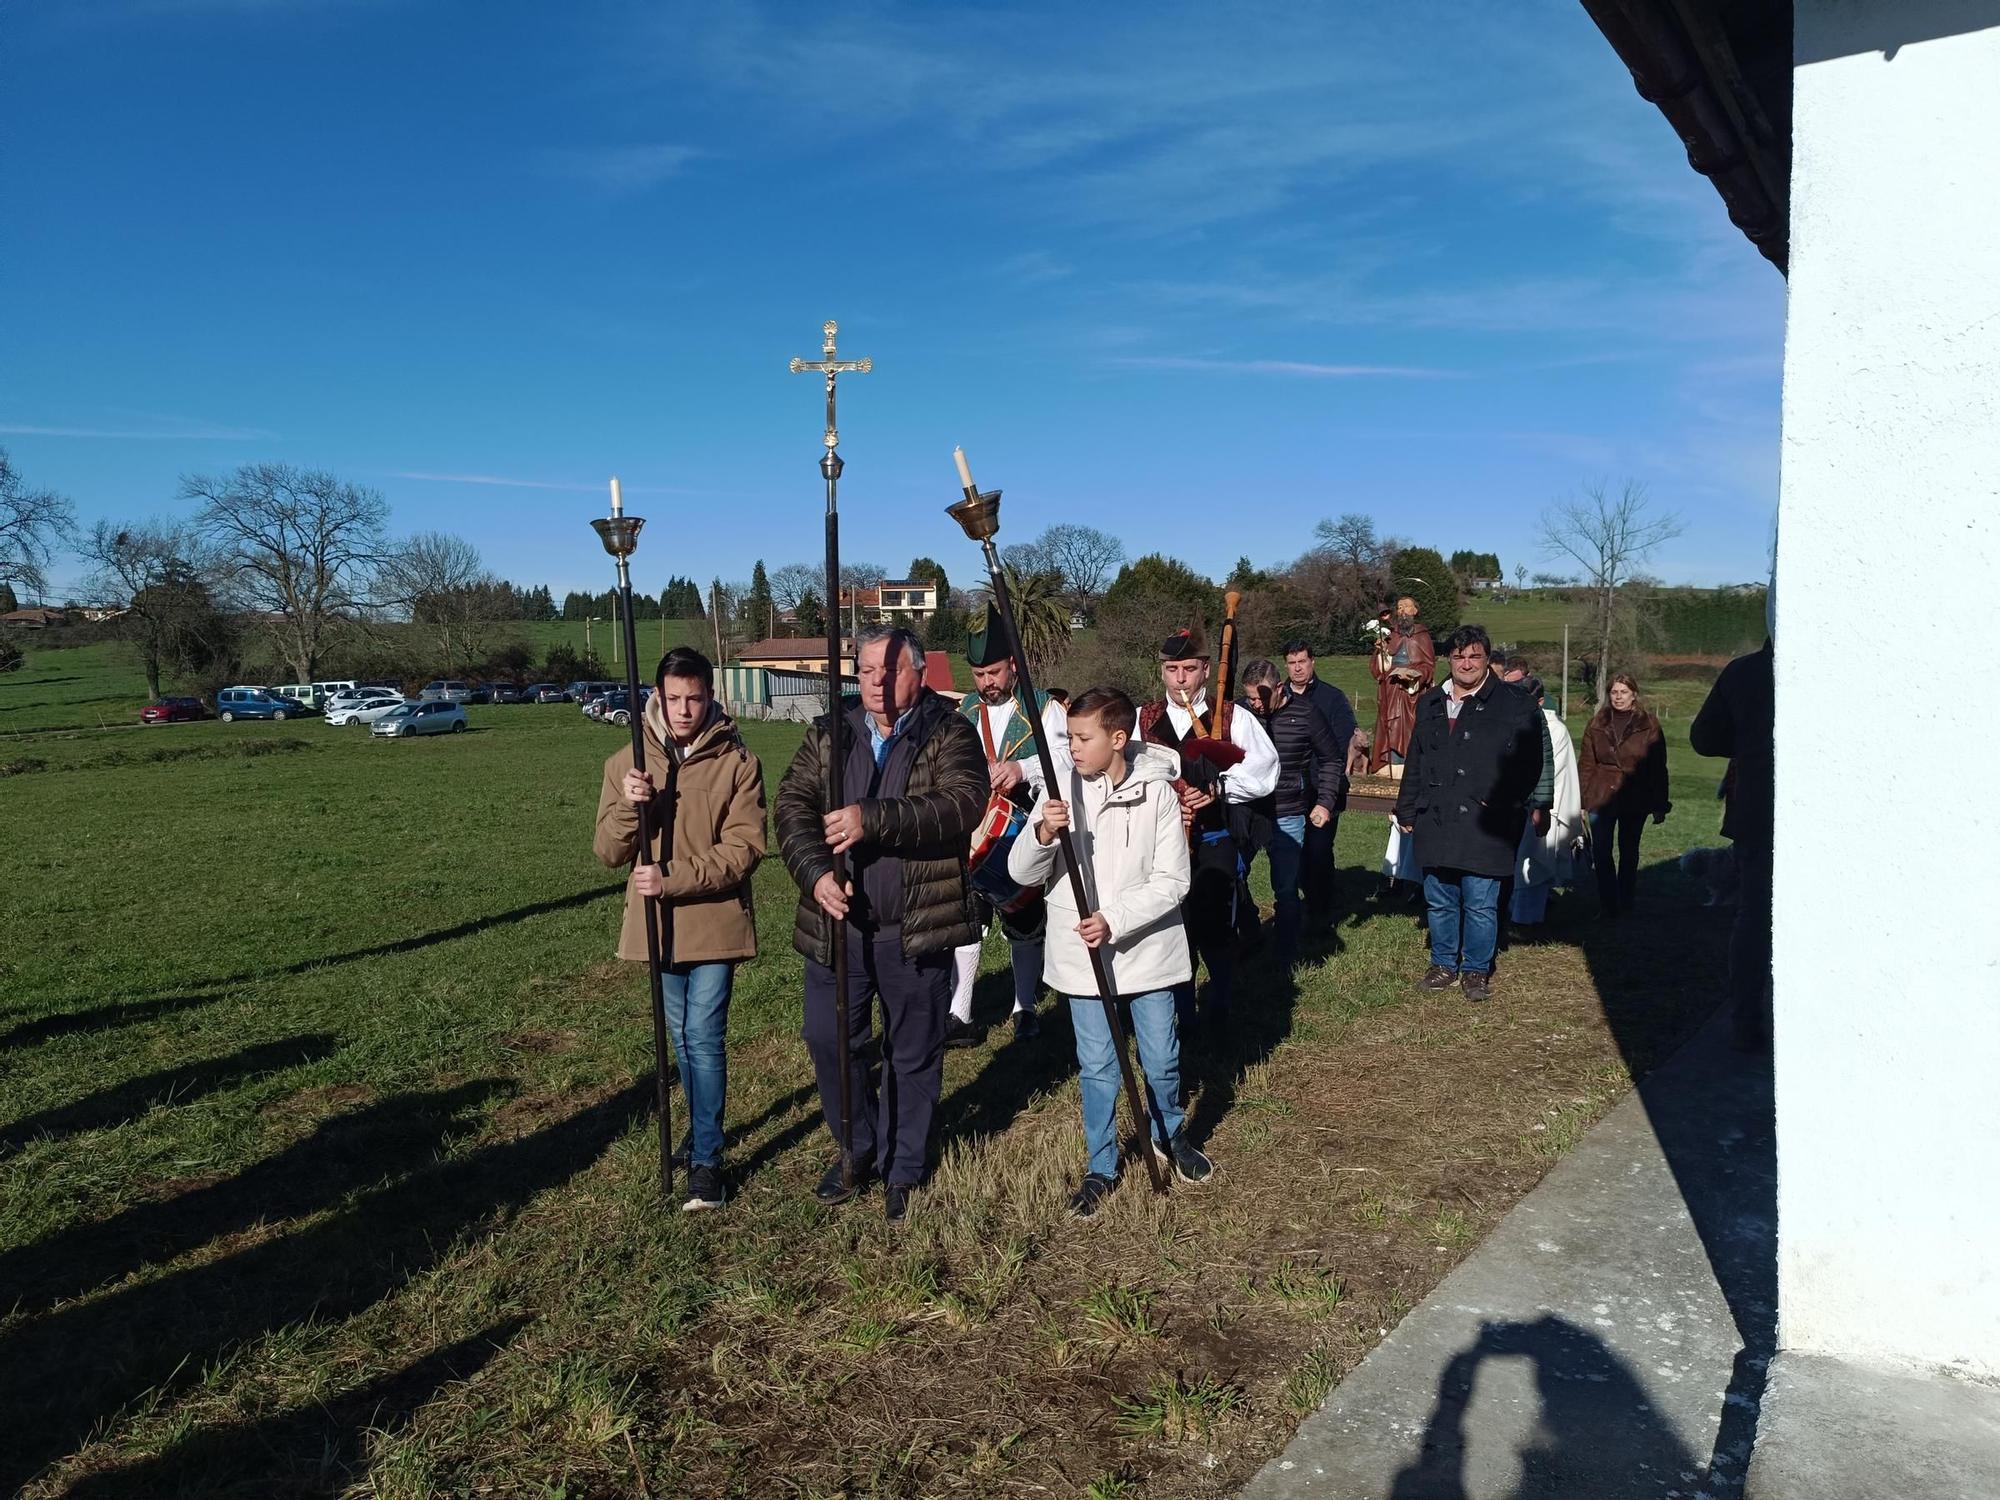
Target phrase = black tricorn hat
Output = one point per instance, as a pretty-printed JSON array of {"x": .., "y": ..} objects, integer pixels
[
  {"x": 1186, "y": 644},
  {"x": 986, "y": 638}
]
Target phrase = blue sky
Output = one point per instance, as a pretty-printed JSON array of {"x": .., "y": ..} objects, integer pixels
[{"x": 1199, "y": 275}]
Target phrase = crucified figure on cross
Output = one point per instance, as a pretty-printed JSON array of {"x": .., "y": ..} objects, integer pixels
[{"x": 834, "y": 367}]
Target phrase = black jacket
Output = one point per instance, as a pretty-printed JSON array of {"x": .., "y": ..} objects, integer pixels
[
  {"x": 1311, "y": 761},
  {"x": 1336, "y": 710},
  {"x": 1737, "y": 721},
  {"x": 1467, "y": 789},
  {"x": 930, "y": 828}
]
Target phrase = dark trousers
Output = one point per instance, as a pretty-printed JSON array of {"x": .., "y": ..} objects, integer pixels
[
  {"x": 894, "y": 1097},
  {"x": 1317, "y": 873},
  {"x": 1750, "y": 951},
  {"x": 1209, "y": 911},
  {"x": 1616, "y": 885}
]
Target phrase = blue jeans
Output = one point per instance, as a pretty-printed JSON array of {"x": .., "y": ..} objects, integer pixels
[
  {"x": 1288, "y": 847},
  {"x": 696, "y": 1000},
  {"x": 1465, "y": 919},
  {"x": 1151, "y": 1021}
]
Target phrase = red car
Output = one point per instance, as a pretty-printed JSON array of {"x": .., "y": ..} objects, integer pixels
[{"x": 172, "y": 711}]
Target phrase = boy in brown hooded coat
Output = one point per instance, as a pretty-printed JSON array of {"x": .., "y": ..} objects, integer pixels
[{"x": 708, "y": 835}]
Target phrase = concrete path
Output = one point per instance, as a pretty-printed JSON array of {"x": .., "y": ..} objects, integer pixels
[{"x": 1608, "y": 1340}]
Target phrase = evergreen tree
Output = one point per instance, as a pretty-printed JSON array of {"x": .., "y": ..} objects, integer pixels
[
  {"x": 811, "y": 615},
  {"x": 1421, "y": 573},
  {"x": 757, "y": 613},
  {"x": 8, "y": 603}
]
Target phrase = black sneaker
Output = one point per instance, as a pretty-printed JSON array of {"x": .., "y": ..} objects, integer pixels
[
  {"x": 830, "y": 1190},
  {"x": 1475, "y": 986},
  {"x": 705, "y": 1189},
  {"x": 896, "y": 1202},
  {"x": 1189, "y": 1164},
  {"x": 1027, "y": 1025},
  {"x": 959, "y": 1033},
  {"x": 1090, "y": 1195},
  {"x": 1438, "y": 977}
]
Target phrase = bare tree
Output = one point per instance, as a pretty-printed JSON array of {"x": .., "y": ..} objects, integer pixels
[
  {"x": 441, "y": 581},
  {"x": 793, "y": 582},
  {"x": 1352, "y": 539},
  {"x": 297, "y": 545},
  {"x": 1608, "y": 536},
  {"x": 32, "y": 524},
  {"x": 1086, "y": 558},
  {"x": 1028, "y": 558},
  {"x": 157, "y": 573}
]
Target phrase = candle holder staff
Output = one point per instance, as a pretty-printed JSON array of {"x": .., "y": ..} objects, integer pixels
[
  {"x": 978, "y": 514},
  {"x": 620, "y": 535}
]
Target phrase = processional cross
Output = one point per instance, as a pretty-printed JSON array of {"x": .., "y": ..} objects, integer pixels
[{"x": 833, "y": 367}]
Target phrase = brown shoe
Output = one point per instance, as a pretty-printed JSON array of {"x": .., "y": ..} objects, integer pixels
[
  {"x": 1437, "y": 977},
  {"x": 1475, "y": 986}
]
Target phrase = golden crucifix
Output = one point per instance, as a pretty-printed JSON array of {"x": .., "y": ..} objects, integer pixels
[{"x": 833, "y": 366}]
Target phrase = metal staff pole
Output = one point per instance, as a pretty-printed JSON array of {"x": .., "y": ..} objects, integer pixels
[
  {"x": 830, "y": 466},
  {"x": 620, "y": 535},
  {"x": 979, "y": 514}
]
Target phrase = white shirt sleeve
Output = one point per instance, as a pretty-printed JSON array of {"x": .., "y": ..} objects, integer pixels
[
  {"x": 1055, "y": 724},
  {"x": 1257, "y": 775}
]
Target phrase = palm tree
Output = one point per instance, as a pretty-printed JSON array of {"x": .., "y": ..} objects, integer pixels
[{"x": 1042, "y": 616}]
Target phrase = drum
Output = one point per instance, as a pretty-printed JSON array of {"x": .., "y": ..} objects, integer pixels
[{"x": 998, "y": 827}]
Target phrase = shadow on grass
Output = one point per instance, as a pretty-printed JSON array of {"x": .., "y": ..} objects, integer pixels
[
  {"x": 76, "y": 1367},
  {"x": 105, "y": 1017},
  {"x": 319, "y": 1449},
  {"x": 181, "y": 1084}
]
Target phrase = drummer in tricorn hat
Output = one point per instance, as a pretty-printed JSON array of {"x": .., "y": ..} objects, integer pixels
[{"x": 1015, "y": 774}]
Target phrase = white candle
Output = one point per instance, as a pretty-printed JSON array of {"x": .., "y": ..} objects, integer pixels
[
  {"x": 964, "y": 469},
  {"x": 617, "y": 498}
]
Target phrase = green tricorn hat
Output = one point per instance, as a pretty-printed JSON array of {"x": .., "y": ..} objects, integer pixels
[{"x": 986, "y": 638}]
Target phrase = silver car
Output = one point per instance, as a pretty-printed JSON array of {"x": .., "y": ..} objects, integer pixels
[
  {"x": 420, "y": 718},
  {"x": 362, "y": 710}
]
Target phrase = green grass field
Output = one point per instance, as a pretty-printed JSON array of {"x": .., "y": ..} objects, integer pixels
[{"x": 326, "y": 1165}]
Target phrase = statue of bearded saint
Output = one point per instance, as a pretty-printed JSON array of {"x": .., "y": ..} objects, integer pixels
[{"x": 1403, "y": 665}]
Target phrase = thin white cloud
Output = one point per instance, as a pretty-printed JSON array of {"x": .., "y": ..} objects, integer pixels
[
  {"x": 162, "y": 434},
  {"x": 622, "y": 169},
  {"x": 509, "y": 482},
  {"x": 1304, "y": 368}
]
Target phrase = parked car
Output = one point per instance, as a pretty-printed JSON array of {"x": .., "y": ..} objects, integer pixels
[
  {"x": 307, "y": 693},
  {"x": 446, "y": 690},
  {"x": 509, "y": 692},
  {"x": 435, "y": 717},
  {"x": 616, "y": 708},
  {"x": 173, "y": 711},
  {"x": 258, "y": 703},
  {"x": 547, "y": 692},
  {"x": 355, "y": 696},
  {"x": 585, "y": 689},
  {"x": 334, "y": 688},
  {"x": 362, "y": 710}
]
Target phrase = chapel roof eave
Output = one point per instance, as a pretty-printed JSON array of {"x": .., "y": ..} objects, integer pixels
[{"x": 1721, "y": 73}]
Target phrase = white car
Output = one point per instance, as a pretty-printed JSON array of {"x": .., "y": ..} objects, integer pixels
[
  {"x": 420, "y": 718},
  {"x": 361, "y": 710}
]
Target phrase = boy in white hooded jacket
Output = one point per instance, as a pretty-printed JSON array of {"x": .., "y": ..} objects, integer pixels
[{"x": 1125, "y": 822}]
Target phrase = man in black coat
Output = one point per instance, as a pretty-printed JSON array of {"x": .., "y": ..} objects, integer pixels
[
  {"x": 1738, "y": 721},
  {"x": 1476, "y": 775},
  {"x": 1302, "y": 678},
  {"x": 914, "y": 786}
]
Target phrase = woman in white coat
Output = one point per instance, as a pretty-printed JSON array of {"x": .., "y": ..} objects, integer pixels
[
  {"x": 1548, "y": 859},
  {"x": 1124, "y": 814}
]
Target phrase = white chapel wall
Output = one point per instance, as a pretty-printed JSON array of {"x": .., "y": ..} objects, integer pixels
[{"x": 1887, "y": 912}]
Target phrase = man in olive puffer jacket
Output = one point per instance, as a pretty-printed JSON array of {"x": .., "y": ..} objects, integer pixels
[{"x": 915, "y": 785}]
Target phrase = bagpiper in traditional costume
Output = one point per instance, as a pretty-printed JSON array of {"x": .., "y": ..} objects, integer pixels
[
  {"x": 1014, "y": 772},
  {"x": 1226, "y": 757}
]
